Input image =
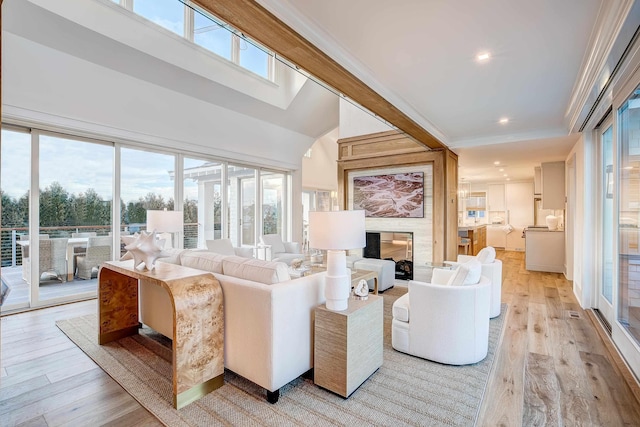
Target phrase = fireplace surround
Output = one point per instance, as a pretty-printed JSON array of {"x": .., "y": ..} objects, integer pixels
[{"x": 392, "y": 245}]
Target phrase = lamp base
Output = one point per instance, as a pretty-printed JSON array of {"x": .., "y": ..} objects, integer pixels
[{"x": 338, "y": 281}]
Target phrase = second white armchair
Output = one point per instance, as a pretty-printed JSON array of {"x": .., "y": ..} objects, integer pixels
[{"x": 282, "y": 251}]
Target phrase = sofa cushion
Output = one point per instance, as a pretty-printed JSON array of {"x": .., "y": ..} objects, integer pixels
[
  {"x": 257, "y": 270},
  {"x": 401, "y": 308},
  {"x": 486, "y": 255},
  {"x": 275, "y": 241},
  {"x": 207, "y": 261},
  {"x": 220, "y": 246}
]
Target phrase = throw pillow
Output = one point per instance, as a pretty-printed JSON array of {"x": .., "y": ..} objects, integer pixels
[
  {"x": 486, "y": 255},
  {"x": 459, "y": 275},
  {"x": 474, "y": 272}
]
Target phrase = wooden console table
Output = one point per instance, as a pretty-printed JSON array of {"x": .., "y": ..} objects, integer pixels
[
  {"x": 348, "y": 345},
  {"x": 198, "y": 320}
]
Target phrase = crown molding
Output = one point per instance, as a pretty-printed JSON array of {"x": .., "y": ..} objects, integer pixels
[{"x": 611, "y": 18}]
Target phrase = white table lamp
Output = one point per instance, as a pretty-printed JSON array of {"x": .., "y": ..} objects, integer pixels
[
  {"x": 165, "y": 222},
  {"x": 337, "y": 231}
]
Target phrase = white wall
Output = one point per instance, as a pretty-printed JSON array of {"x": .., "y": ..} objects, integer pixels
[
  {"x": 47, "y": 86},
  {"x": 355, "y": 122},
  {"x": 319, "y": 172}
]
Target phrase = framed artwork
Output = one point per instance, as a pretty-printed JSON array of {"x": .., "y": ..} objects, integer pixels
[{"x": 397, "y": 195}]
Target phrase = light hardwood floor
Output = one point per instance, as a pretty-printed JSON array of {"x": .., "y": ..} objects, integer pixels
[{"x": 552, "y": 369}]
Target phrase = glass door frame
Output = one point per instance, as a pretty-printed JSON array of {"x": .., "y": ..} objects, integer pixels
[
  {"x": 606, "y": 308},
  {"x": 625, "y": 343}
]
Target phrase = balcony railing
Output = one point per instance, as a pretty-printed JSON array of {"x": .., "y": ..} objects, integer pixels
[{"x": 11, "y": 252}]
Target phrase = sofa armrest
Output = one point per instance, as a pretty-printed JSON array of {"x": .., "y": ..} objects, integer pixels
[
  {"x": 465, "y": 258},
  {"x": 292, "y": 247},
  {"x": 269, "y": 328}
]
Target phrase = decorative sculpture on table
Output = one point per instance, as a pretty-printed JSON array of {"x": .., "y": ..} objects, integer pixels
[
  {"x": 361, "y": 291},
  {"x": 144, "y": 249}
]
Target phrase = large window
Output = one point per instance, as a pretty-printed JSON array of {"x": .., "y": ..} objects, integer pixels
[
  {"x": 273, "y": 197},
  {"x": 202, "y": 202},
  {"x": 629, "y": 215},
  {"x": 166, "y": 13},
  {"x": 207, "y": 32},
  {"x": 146, "y": 183}
]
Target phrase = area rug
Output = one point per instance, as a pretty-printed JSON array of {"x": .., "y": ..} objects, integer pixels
[{"x": 406, "y": 390}]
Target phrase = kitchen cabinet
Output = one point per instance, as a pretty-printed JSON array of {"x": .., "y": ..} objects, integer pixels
[
  {"x": 553, "y": 196},
  {"x": 537, "y": 180},
  {"x": 495, "y": 197}
]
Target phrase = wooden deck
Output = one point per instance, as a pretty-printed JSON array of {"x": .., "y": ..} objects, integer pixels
[
  {"x": 49, "y": 289},
  {"x": 551, "y": 369}
]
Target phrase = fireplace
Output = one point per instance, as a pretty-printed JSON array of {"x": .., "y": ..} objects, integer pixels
[{"x": 396, "y": 246}]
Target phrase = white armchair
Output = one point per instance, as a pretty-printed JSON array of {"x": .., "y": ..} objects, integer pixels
[
  {"x": 492, "y": 269},
  {"x": 281, "y": 251},
  {"x": 225, "y": 247},
  {"x": 444, "y": 322}
]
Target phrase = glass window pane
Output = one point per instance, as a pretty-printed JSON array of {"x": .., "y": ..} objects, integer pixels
[
  {"x": 15, "y": 172},
  {"x": 210, "y": 35},
  {"x": 202, "y": 202},
  {"x": 273, "y": 199},
  {"x": 166, "y": 13},
  {"x": 629, "y": 215},
  {"x": 146, "y": 183},
  {"x": 75, "y": 197},
  {"x": 241, "y": 194},
  {"x": 254, "y": 59}
]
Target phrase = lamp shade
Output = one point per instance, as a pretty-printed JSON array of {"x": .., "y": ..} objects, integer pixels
[
  {"x": 337, "y": 230},
  {"x": 165, "y": 221}
]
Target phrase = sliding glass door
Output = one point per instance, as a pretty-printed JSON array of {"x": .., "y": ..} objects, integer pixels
[
  {"x": 15, "y": 179},
  {"x": 629, "y": 216}
]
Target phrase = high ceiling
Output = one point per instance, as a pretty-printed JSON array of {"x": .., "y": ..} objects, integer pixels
[{"x": 422, "y": 57}]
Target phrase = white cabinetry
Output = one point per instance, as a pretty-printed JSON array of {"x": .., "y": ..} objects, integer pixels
[
  {"x": 495, "y": 197},
  {"x": 553, "y": 185},
  {"x": 537, "y": 180}
]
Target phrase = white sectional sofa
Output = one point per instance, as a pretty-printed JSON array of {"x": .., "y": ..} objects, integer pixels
[{"x": 268, "y": 317}]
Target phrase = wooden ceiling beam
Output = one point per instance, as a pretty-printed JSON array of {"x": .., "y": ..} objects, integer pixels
[{"x": 262, "y": 26}]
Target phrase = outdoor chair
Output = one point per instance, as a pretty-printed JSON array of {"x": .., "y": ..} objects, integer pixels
[
  {"x": 25, "y": 254},
  {"x": 98, "y": 251},
  {"x": 53, "y": 260}
]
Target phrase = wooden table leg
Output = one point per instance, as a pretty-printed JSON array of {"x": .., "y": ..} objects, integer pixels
[{"x": 118, "y": 306}]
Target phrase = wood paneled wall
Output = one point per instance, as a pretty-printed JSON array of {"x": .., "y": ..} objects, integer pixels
[{"x": 395, "y": 149}]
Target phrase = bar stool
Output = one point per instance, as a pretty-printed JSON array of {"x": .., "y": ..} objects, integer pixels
[{"x": 465, "y": 243}]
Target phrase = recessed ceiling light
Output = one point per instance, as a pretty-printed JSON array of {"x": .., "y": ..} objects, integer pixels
[
  {"x": 504, "y": 121},
  {"x": 496, "y": 163},
  {"x": 501, "y": 169},
  {"x": 483, "y": 56},
  {"x": 505, "y": 174},
  {"x": 508, "y": 179}
]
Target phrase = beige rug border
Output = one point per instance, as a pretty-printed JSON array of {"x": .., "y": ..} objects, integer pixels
[{"x": 162, "y": 408}]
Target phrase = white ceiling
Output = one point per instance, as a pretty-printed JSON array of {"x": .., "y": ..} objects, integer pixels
[{"x": 421, "y": 56}]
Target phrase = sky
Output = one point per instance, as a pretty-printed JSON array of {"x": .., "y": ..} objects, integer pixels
[{"x": 79, "y": 165}]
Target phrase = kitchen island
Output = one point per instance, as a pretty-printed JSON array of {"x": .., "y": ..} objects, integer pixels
[
  {"x": 477, "y": 235},
  {"x": 544, "y": 250}
]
